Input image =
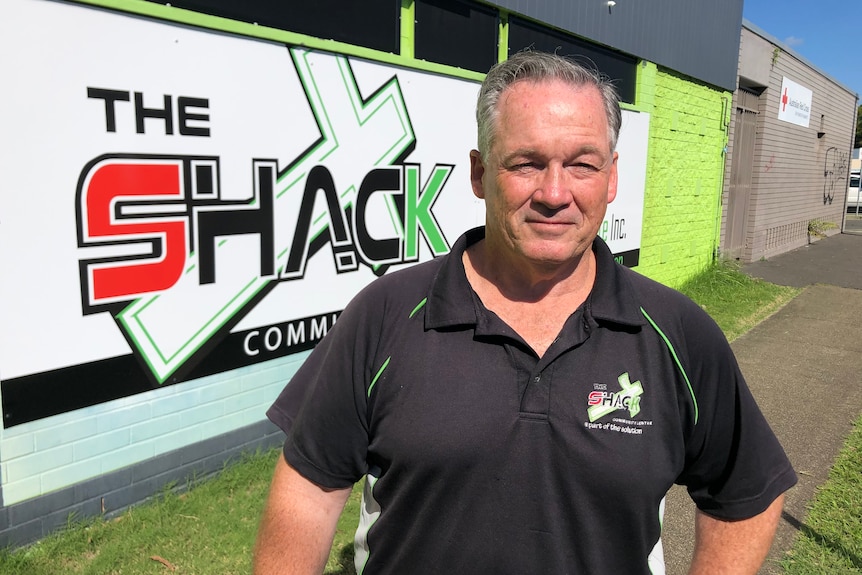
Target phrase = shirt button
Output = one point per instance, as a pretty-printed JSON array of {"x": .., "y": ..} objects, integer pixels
[{"x": 537, "y": 379}]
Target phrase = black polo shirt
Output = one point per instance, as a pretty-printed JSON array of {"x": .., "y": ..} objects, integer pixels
[{"x": 483, "y": 458}]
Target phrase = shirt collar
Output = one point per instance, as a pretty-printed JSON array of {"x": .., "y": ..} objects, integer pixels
[
  {"x": 450, "y": 301},
  {"x": 613, "y": 297}
]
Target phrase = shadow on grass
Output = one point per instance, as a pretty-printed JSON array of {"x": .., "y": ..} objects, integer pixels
[
  {"x": 345, "y": 562},
  {"x": 822, "y": 540}
]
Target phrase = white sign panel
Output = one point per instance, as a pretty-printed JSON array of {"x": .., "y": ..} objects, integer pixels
[
  {"x": 794, "y": 105},
  {"x": 623, "y": 223},
  {"x": 178, "y": 203}
]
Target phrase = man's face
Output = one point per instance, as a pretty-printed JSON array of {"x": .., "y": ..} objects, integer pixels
[{"x": 549, "y": 174}]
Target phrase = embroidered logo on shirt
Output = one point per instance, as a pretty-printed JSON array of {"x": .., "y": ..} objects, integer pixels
[{"x": 602, "y": 402}]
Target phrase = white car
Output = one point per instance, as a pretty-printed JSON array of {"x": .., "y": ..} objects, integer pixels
[{"x": 853, "y": 200}]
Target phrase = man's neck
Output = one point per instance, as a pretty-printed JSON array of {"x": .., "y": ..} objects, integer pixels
[
  {"x": 534, "y": 303},
  {"x": 529, "y": 282}
]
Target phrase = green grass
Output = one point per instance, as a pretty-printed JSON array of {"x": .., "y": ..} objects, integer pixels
[
  {"x": 205, "y": 530},
  {"x": 210, "y": 528},
  {"x": 830, "y": 540},
  {"x": 736, "y": 301},
  {"x": 341, "y": 557}
]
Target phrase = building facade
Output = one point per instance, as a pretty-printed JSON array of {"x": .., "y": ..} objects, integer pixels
[
  {"x": 788, "y": 159},
  {"x": 197, "y": 189}
]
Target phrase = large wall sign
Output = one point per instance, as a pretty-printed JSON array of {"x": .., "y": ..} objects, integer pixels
[
  {"x": 178, "y": 203},
  {"x": 623, "y": 224},
  {"x": 794, "y": 103}
]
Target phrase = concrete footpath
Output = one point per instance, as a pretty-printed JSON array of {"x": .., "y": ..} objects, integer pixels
[{"x": 804, "y": 367}]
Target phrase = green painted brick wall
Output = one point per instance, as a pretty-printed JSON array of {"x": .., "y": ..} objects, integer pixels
[{"x": 685, "y": 167}]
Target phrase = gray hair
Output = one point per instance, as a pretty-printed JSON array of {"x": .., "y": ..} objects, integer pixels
[{"x": 536, "y": 67}]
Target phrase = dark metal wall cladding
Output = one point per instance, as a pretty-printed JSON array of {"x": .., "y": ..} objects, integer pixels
[
  {"x": 370, "y": 23},
  {"x": 699, "y": 38}
]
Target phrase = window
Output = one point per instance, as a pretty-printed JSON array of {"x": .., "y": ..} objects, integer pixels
[
  {"x": 622, "y": 69},
  {"x": 372, "y": 24},
  {"x": 462, "y": 34}
]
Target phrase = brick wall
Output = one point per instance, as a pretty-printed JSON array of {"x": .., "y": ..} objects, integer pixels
[
  {"x": 112, "y": 455},
  {"x": 108, "y": 494},
  {"x": 684, "y": 174}
]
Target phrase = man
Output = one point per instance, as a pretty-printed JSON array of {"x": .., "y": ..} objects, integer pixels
[{"x": 523, "y": 404}]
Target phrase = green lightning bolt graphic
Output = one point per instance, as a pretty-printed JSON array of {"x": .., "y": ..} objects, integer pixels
[{"x": 353, "y": 133}]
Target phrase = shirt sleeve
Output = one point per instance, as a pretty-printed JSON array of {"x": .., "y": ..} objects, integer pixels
[
  {"x": 734, "y": 464},
  {"x": 323, "y": 407}
]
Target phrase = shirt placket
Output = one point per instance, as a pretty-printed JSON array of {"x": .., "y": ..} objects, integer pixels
[{"x": 539, "y": 372}]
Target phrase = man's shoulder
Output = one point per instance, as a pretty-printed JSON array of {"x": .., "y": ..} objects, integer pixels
[
  {"x": 418, "y": 275},
  {"x": 402, "y": 287},
  {"x": 627, "y": 296},
  {"x": 650, "y": 291},
  {"x": 664, "y": 305},
  {"x": 402, "y": 292},
  {"x": 420, "y": 279}
]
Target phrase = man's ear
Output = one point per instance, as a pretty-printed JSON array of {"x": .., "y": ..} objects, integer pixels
[
  {"x": 477, "y": 172},
  {"x": 612, "y": 180}
]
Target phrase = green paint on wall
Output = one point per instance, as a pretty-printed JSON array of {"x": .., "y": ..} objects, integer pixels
[
  {"x": 685, "y": 168},
  {"x": 408, "y": 18},
  {"x": 503, "y": 34}
]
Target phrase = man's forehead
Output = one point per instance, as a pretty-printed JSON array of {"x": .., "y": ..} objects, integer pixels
[
  {"x": 531, "y": 100},
  {"x": 531, "y": 103},
  {"x": 529, "y": 86},
  {"x": 536, "y": 97}
]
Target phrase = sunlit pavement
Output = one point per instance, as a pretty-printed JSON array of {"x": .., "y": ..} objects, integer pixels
[{"x": 797, "y": 363}]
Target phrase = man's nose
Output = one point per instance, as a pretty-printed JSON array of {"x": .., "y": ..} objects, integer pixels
[{"x": 552, "y": 190}]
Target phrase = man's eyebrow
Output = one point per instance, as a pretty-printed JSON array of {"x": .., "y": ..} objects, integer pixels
[
  {"x": 585, "y": 150},
  {"x": 519, "y": 153},
  {"x": 590, "y": 149}
]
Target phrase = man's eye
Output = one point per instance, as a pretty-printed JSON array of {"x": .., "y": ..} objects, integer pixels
[
  {"x": 585, "y": 166},
  {"x": 525, "y": 166}
]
